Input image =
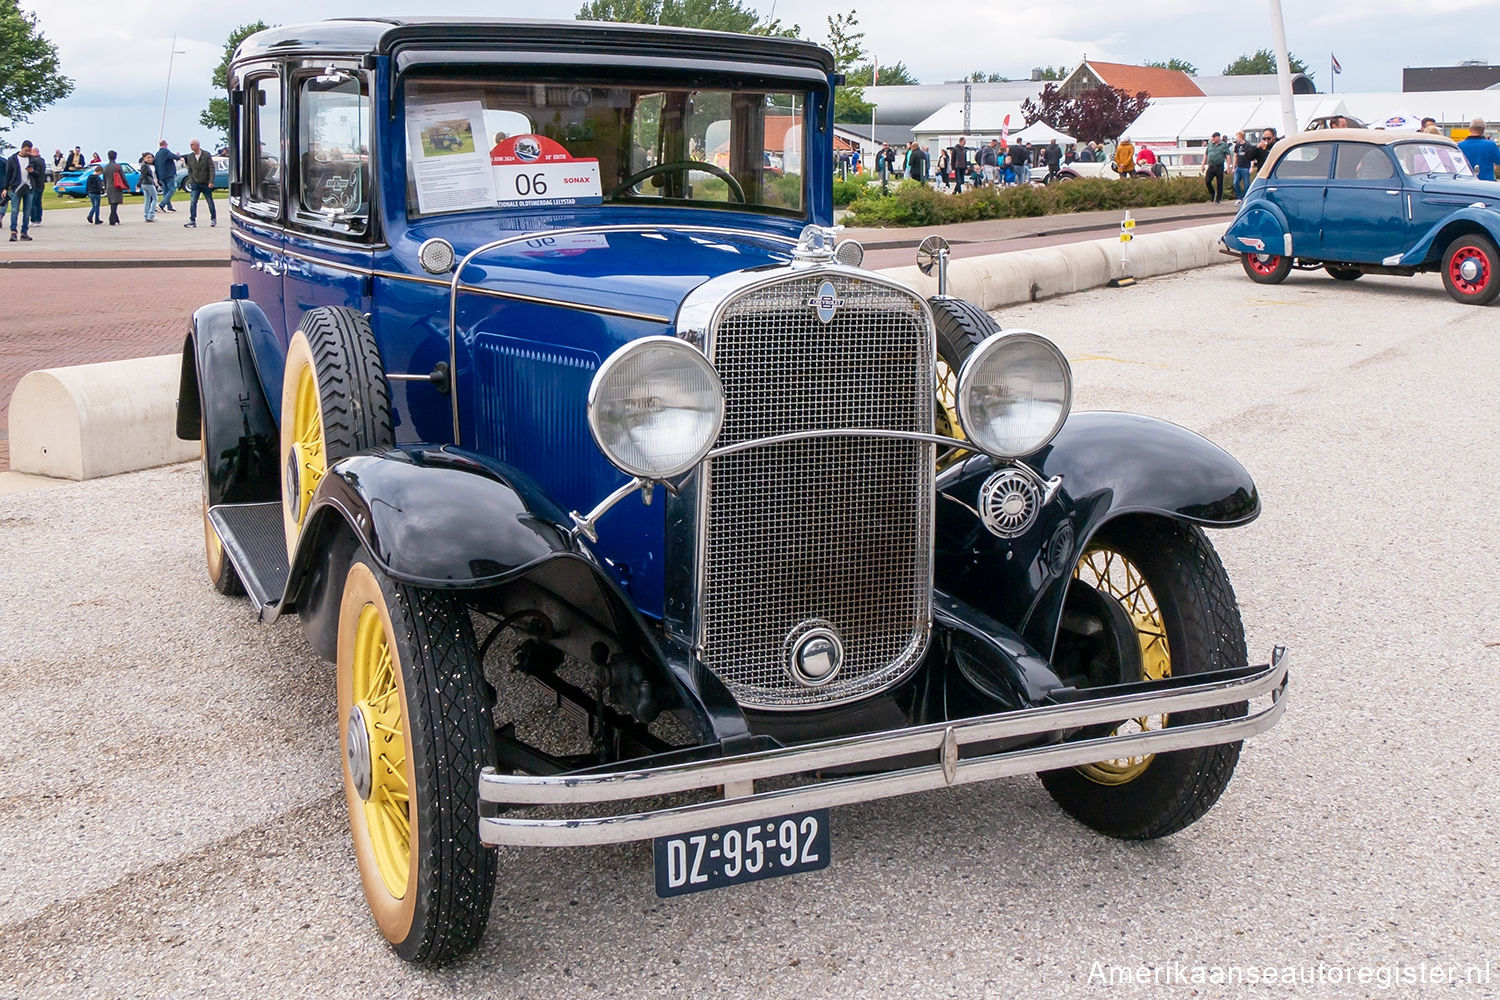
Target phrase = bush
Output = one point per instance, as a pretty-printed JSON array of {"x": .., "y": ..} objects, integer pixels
[
  {"x": 845, "y": 191},
  {"x": 913, "y": 204}
]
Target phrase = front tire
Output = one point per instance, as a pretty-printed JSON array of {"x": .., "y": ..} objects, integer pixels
[
  {"x": 415, "y": 729},
  {"x": 1150, "y": 599},
  {"x": 1266, "y": 268},
  {"x": 961, "y": 327},
  {"x": 1471, "y": 270}
]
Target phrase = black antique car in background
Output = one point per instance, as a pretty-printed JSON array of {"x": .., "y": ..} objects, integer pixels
[{"x": 593, "y": 399}]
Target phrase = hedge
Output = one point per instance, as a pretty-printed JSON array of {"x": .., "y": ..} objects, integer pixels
[{"x": 913, "y": 204}]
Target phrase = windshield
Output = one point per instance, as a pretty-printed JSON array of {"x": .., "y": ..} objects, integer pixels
[
  {"x": 520, "y": 146},
  {"x": 1432, "y": 158}
]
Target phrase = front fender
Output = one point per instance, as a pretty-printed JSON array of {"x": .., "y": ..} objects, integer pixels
[
  {"x": 1111, "y": 464},
  {"x": 1260, "y": 227},
  {"x": 220, "y": 401},
  {"x": 1436, "y": 239}
]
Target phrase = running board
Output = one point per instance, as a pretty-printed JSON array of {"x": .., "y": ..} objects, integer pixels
[{"x": 255, "y": 542}]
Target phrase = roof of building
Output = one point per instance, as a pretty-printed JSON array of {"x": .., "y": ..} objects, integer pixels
[
  {"x": 1252, "y": 85},
  {"x": 1134, "y": 79},
  {"x": 986, "y": 118}
]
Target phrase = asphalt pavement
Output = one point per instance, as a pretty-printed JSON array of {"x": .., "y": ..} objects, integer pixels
[{"x": 174, "y": 825}]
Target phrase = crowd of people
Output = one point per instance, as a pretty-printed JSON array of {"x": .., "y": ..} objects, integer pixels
[{"x": 161, "y": 174}]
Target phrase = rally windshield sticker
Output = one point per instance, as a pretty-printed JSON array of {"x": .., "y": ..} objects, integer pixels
[{"x": 533, "y": 171}]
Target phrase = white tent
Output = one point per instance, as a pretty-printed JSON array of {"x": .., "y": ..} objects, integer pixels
[
  {"x": 986, "y": 121},
  {"x": 1172, "y": 121},
  {"x": 1040, "y": 133}
]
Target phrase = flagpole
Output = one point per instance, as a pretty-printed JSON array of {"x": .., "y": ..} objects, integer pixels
[
  {"x": 1331, "y": 73},
  {"x": 1283, "y": 70},
  {"x": 161, "y": 130}
]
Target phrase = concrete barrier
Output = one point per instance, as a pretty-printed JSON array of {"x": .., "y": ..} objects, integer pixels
[
  {"x": 98, "y": 420},
  {"x": 1004, "y": 279}
]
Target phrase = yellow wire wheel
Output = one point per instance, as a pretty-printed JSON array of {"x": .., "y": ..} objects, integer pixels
[
  {"x": 334, "y": 403},
  {"x": 416, "y": 724},
  {"x": 1117, "y": 578},
  {"x": 375, "y": 743},
  {"x": 221, "y": 572},
  {"x": 1148, "y": 600},
  {"x": 304, "y": 448}
]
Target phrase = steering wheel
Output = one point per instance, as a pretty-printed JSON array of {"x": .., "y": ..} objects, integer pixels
[{"x": 683, "y": 165}]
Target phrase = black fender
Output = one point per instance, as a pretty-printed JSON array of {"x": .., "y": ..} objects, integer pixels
[
  {"x": 1112, "y": 465},
  {"x": 220, "y": 401},
  {"x": 441, "y": 517}
]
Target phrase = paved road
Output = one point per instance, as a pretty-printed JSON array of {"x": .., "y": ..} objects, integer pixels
[
  {"x": 173, "y": 822},
  {"x": 74, "y": 316}
]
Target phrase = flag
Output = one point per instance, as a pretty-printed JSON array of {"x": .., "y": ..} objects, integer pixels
[
  {"x": 875, "y": 74},
  {"x": 1005, "y": 131},
  {"x": 1335, "y": 61}
]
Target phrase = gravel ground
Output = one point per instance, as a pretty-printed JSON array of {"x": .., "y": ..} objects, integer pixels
[{"x": 173, "y": 825}]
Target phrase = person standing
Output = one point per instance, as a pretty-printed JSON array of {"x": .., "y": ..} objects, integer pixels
[
  {"x": 942, "y": 168},
  {"x": 1243, "y": 159},
  {"x": 987, "y": 159},
  {"x": 1052, "y": 157},
  {"x": 960, "y": 162},
  {"x": 1020, "y": 161},
  {"x": 17, "y": 184},
  {"x": 1124, "y": 158},
  {"x": 166, "y": 175},
  {"x": 1483, "y": 154},
  {"x": 1214, "y": 155},
  {"x": 38, "y": 184},
  {"x": 917, "y": 163},
  {"x": 199, "y": 167},
  {"x": 94, "y": 188},
  {"x": 115, "y": 186},
  {"x": 76, "y": 160},
  {"x": 148, "y": 186}
]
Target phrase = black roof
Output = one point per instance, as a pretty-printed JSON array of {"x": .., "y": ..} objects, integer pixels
[{"x": 357, "y": 36}]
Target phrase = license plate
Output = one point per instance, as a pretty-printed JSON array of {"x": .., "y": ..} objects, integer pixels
[{"x": 741, "y": 852}]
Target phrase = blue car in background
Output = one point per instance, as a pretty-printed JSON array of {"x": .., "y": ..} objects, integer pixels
[
  {"x": 1357, "y": 201},
  {"x": 72, "y": 183}
]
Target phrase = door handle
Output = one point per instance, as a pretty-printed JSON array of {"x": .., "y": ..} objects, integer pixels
[{"x": 1396, "y": 193}]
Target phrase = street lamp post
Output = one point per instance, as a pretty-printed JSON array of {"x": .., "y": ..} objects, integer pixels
[{"x": 161, "y": 130}]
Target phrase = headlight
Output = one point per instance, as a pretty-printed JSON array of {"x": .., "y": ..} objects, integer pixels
[
  {"x": 1014, "y": 393},
  {"x": 655, "y": 407}
]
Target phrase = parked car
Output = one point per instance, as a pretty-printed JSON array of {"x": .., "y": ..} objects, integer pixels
[
  {"x": 1179, "y": 162},
  {"x": 72, "y": 183},
  {"x": 1360, "y": 201},
  {"x": 1095, "y": 169},
  {"x": 584, "y": 411}
]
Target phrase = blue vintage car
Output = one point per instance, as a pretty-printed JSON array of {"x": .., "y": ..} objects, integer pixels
[
  {"x": 533, "y": 370},
  {"x": 72, "y": 184},
  {"x": 1356, "y": 201}
]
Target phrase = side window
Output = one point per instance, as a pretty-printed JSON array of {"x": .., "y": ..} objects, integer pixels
[
  {"x": 333, "y": 151},
  {"x": 1309, "y": 162},
  {"x": 1358, "y": 162},
  {"x": 263, "y": 145}
]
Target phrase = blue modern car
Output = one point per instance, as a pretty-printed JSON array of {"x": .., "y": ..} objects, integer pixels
[
  {"x": 73, "y": 182},
  {"x": 1358, "y": 201},
  {"x": 535, "y": 370}
]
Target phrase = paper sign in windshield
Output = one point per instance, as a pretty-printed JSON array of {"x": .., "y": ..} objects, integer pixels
[
  {"x": 450, "y": 172},
  {"x": 536, "y": 172}
]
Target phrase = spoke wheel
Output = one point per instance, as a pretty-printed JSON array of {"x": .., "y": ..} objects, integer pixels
[
  {"x": 1149, "y": 600},
  {"x": 1116, "y": 578},
  {"x": 961, "y": 327},
  {"x": 334, "y": 403},
  {"x": 1470, "y": 270},
  {"x": 415, "y": 728},
  {"x": 1266, "y": 268}
]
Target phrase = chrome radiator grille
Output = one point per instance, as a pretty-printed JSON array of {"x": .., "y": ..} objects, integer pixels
[{"x": 837, "y": 530}]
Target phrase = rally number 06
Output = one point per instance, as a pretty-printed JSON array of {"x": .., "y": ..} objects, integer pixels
[{"x": 528, "y": 184}]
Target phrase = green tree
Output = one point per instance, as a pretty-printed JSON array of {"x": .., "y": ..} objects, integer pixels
[
  {"x": 29, "y": 77},
  {"x": 980, "y": 76},
  {"x": 1055, "y": 72},
  {"x": 1260, "y": 62},
  {"x": 846, "y": 42},
  {"x": 710, "y": 15},
  {"x": 216, "y": 116},
  {"x": 894, "y": 75},
  {"x": 1181, "y": 64}
]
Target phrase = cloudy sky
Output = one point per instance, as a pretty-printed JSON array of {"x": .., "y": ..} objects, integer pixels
[{"x": 119, "y": 60}]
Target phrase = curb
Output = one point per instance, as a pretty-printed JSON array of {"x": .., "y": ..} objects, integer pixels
[
  {"x": 103, "y": 419},
  {"x": 1030, "y": 275}
]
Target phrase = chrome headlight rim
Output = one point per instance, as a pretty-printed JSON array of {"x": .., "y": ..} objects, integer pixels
[
  {"x": 977, "y": 358},
  {"x": 606, "y": 370}
]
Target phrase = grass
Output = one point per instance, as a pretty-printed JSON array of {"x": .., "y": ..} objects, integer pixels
[{"x": 912, "y": 204}]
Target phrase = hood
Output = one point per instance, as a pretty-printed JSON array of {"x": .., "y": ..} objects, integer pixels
[
  {"x": 1470, "y": 190},
  {"x": 647, "y": 270}
]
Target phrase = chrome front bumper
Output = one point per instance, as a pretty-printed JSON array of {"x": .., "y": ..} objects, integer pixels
[{"x": 584, "y": 793}]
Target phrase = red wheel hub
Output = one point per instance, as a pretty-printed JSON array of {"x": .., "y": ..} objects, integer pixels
[
  {"x": 1263, "y": 263},
  {"x": 1469, "y": 270}
]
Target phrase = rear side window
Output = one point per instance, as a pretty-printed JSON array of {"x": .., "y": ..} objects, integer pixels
[
  {"x": 1358, "y": 162},
  {"x": 333, "y": 156},
  {"x": 1309, "y": 162}
]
